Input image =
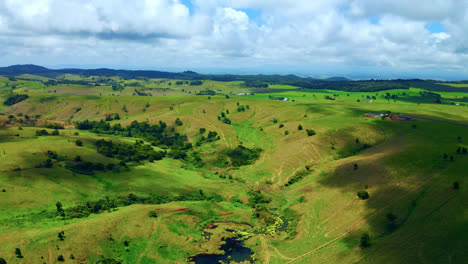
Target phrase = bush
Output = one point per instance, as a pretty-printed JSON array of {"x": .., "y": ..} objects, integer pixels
[
  {"x": 310, "y": 132},
  {"x": 61, "y": 258},
  {"x": 363, "y": 195},
  {"x": 153, "y": 214},
  {"x": 79, "y": 143}
]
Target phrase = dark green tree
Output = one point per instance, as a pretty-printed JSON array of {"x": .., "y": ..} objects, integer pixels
[
  {"x": 18, "y": 253},
  {"x": 363, "y": 195},
  {"x": 3, "y": 261},
  {"x": 79, "y": 143},
  {"x": 365, "y": 241},
  {"x": 299, "y": 127}
]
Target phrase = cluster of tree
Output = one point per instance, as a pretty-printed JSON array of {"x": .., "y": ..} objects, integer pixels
[
  {"x": 127, "y": 152},
  {"x": 117, "y": 86},
  {"x": 206, "y": 92},
  {"x": 140, "y": 93},
  {"x": 241, "y": 108},
  {"x": 196, "y": 83},
  {"x": 15, "y": 99},
  {"x": 44, "y": 132},
  {"x": 113, "y": 116},
  {"x": 297, "y": 177},
  {"x": 255, "y": 84},
  {"x": 212, "y": 136},
  {"x": 55, "y": 126},
  {"x": 107, "y": 204},
  {"x": 89, "y": 168},
  {"x": 241, "y": 155},
  {"x": 156, "y": 134}
]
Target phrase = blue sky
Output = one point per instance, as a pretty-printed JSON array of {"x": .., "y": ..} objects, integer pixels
[{"x": 352, "y": 38}]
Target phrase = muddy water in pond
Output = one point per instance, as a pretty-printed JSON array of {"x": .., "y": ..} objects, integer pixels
[{"x": 234, "y": 250}]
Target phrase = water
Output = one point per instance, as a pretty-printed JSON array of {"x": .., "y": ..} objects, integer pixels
[{"x": 234, "y": 251}]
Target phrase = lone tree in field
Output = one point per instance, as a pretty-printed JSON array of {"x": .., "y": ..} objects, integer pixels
[
  {"x": 363, "y": 195},
  {"x": 61, "y": 235},
  {"x": 357, "y": 140},
  {"x": 59, "y": 207},
  {"x": 178, "y": 122},
  {"x": 365, "y": 241},
  {"x": 18, "y": 253},
  {"x": 61, "y": 258},
  {"x": 3, "y": 261},
  {"x": 355, "y": 166},
  {"x": 299, "y": 127},
  {"x": 79, "y": 143}
]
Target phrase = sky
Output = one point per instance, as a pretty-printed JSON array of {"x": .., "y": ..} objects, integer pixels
[{"x": 318, "y": 38}]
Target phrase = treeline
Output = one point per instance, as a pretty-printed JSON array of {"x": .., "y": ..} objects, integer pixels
[
  {"x": 156, "y": 134},
  {"x": 127, "y": 152},
  {"x": 107, "y": 204},
  {"x": 15, "y": 99}
]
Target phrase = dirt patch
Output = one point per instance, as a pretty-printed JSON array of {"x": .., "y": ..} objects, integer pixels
[{"x": 181, "y": 210}]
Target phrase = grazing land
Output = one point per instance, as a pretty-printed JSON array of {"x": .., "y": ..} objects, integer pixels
[{"x": 128, "y": 169}]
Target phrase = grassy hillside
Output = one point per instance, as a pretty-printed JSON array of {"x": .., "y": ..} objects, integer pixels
[{"x": 282, "y": 176}]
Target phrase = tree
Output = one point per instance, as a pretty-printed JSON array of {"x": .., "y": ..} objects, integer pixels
[
  {"x": 310, "y": 132},
  {"x": 365, "y": 241},
  {"x": 61, "y": 235},
  {"x": 61, "y": 258},
  {"x": 18, "y": 253},
  {"x": 357, "y": 140},
  {"x": 48, "y": 163},
  {"x": 456, "y": 185},
  {"x": 55, "y": 132},
  {"x": 286, "y": 132},
  {"x": 281, "y": 125},
  {"x": 202, "y": 130},
  {"x": 153, "y": 214},
  {"x": 3, "y": 261},
  {"x": 355, "y": 166},
  {"x": 178, "y": 122},
  {"x": 299, "y": 127},
  {"x": 59, "y": 206},
  {"x": 79, "y": 143},
  {"x": 78, "y": 158},
  {"x": 363, "y": 195}
]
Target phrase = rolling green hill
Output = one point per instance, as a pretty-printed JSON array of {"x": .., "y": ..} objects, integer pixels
[{"x": 147, "y": 171}]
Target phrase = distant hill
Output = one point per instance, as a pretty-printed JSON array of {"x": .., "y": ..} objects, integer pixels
[
  {"x": 337, "y": 79},
  {"x": 333, "y": 83}
]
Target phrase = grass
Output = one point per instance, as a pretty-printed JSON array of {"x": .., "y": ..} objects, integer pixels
[{"x": 403, "y": 171}]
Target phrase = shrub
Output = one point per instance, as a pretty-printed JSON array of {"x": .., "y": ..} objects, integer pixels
[
  {"x": 310, "y": 132},
  {"x": 61, "y": 258},
  {"x": 153, "y": 214},
  {"x": 363, "y": 195},
  {"x": 79, "y": 143}
]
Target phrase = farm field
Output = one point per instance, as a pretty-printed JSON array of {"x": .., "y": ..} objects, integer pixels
[{"x": 99, "y": 169}]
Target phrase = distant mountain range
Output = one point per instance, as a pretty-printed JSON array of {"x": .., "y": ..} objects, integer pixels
[{"x": 15, "y": 70}]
